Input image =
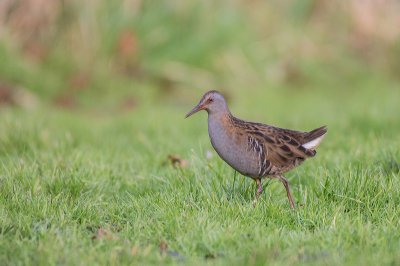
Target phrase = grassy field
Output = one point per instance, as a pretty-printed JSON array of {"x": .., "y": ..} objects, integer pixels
[{"x": 85, "y": 177}]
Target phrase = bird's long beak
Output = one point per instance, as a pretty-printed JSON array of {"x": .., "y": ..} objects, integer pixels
[{"x": 199, "y": 107}]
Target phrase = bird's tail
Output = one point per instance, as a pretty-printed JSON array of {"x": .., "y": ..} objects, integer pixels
[{"x": 314, "y": 138}]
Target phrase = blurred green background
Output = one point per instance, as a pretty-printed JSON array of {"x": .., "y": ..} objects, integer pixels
[{"x": 115, "y": 57}]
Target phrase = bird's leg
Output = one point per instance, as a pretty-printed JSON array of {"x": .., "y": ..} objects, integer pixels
[
  {"x": 259, "y": 191},
  {"x": 289, "y": 195}
]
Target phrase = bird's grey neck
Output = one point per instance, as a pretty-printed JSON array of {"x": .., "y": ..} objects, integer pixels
[
  {"x": 218, "y": 122},
  {"x": 221, "y": 135},
  {"x": 220, "y": 114}
]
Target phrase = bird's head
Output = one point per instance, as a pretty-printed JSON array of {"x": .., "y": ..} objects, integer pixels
[{"x": 212, "y": 102}]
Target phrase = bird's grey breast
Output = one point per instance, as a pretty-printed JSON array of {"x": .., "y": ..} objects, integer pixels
[{"x": 232, "y": 146}]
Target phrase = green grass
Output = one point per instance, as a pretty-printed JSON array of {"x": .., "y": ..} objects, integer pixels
[
  {"x": 64, "y": 174},
  {"x": 67, "y": 172}
]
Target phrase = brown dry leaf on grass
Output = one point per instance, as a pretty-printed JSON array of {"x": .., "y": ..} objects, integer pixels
[{"x": 175, "y": 160}]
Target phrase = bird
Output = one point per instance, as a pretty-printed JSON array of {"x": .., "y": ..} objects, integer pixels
[{"x": 256, "y": 150}]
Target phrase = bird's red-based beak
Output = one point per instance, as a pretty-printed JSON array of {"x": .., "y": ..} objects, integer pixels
[{"x": 199, "y": 107}]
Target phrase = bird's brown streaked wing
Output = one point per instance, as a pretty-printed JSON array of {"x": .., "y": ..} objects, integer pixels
[
  {"x": 279, "y": 148},
  {"x": 298, "y": 136}
]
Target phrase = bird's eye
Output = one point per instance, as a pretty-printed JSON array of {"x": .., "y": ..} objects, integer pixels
[{"x": 210, "y": 99}]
